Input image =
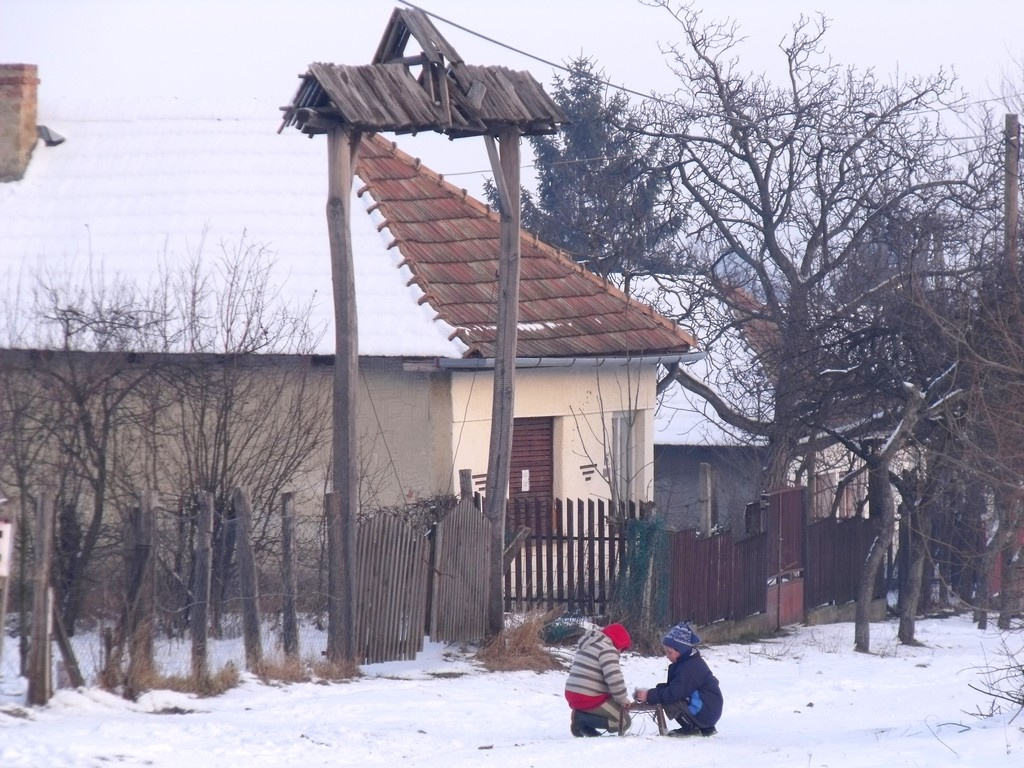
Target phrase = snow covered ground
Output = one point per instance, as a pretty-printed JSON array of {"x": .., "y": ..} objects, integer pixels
[{"x": 806, "y": 699}]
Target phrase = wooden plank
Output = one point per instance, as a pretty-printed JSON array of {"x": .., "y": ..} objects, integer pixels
[
  {"x": 602, "y": 550},
  {"x": 199, "y": 610},
  {"x": 250, "y": 595},
  {"x": 595, "y": 550},
  {"x": 559, "y": 529},
  {"x": 40, "y": 683},
  {"x": 289, "y": 613},
  {"x": 582, "y": 586},
  {"x": 463, "y": 562},
  {"x": 549, "y": 554}
]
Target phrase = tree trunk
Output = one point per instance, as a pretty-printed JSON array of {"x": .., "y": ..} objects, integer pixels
[
  {"x": 1009, "y": 551},
  {"x": 918, "y": 523},
  {"x": 248, "y": 582},
  {"x": 884, "y": 510}
]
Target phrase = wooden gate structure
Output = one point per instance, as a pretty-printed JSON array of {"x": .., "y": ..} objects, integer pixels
[
  {"x": 458, "y": 609},
  {"x": 432, "y": 91}
]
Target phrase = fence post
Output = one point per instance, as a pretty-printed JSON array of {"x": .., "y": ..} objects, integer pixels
[
  {"x": 705, "y": 499},
  {"x": 6, "y": 555},
  {"x": 141, "y": 568},
  {"x": 199, "y": 613},
  {"x": 289, "y": 619},
  {"x": 249, "y": 584},
  {"x": 40, "y": 678},
  {"x": 338, "y": 629}
]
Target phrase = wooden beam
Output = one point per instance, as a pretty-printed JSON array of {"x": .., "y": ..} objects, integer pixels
[
  {"x": 317, "y": 121},
  {"x": 343, "y": 147},
  {"x": 499, "y": 460}
]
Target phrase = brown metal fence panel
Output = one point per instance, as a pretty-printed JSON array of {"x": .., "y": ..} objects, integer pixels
[
  {"x": 785, "y": 525},
  {"x": 573, "y": 555},
  {"x": 751, "y": 576},
  {"x": 836, "y": 551},
  {"x": 821, "y": 569},
  {"x": 703, "y": 582}
]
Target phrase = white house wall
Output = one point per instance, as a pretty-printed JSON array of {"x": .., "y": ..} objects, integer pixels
[{"x": 583, "y": 400}]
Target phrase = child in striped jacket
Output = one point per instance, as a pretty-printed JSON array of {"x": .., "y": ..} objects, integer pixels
[{"x": 595, "y": 689}]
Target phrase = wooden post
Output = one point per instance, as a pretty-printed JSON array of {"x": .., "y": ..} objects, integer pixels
[
  {"x": 249, "y": 582},
  {"x": 337, "y": 628},
  {"x": 40, "y": 682},
  {"x": 6, "y": 558},
  {"x": 499, "y": 459},
  {"x": 200, "y": 611},
  {"x": 289, "y": 618},
  {"x": 466, "y": 483},
  {"x": 141, "y": 580},
  {"x": 342, "y": 149},
  {"x": 704, "y": 499}
]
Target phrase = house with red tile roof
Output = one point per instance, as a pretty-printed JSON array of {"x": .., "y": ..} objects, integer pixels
[{"x": 118, "y": 190}]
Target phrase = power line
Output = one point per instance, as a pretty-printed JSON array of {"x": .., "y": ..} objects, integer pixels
[
  {"x": 650, "y": 96},
  {"x": 562, "y": 67},
  {"x": 657, "y": 99}
]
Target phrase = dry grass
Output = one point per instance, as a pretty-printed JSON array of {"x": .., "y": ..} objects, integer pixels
[
  {"x": 294, "y": 670},
  {"x": 520, "y": 647},
  {"x": 289, "y": 669},
  {"x": 279, "y": 670},
  {"x": 212, "y": 685},
  {"x": 335, "y": 671}
]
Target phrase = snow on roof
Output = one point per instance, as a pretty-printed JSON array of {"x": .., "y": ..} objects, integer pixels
[{"x": 136, "y": 182}]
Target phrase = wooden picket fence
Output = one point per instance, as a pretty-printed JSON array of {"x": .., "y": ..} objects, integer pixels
[
  {"x": 571, "y": 555},
  {"x": 462, "y": 557},
  {"x": 412, "y": 583},
  {"x": 570, "y": 559}
]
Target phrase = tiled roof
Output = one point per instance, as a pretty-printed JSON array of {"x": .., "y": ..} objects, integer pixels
[{"x": 451, "y": 242}]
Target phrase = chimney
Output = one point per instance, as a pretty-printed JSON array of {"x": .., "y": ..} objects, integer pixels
[{"x": 19, "y": 88}]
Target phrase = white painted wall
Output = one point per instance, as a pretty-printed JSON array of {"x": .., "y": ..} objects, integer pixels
[{"x": 583, "y": 400}]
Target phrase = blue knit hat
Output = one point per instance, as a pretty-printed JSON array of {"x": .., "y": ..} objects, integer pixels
[{"x": 681, "y": 638}]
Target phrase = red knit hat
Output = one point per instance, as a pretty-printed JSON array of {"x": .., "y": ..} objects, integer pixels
[{"x": 618, "y": 635}]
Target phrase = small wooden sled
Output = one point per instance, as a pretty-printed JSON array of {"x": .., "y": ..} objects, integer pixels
[{"x": 655, "y": 710}]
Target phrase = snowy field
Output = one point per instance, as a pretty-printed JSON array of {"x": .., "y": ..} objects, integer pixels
[{"x": 806, "y": 699}]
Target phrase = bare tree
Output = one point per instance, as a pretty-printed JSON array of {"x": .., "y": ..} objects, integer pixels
[
  {"x": 99, "y": 421},
  {"x": 809, "y": 207},
  {"x": 83, "y": 398},
  {"x": 244, "y": 415}
]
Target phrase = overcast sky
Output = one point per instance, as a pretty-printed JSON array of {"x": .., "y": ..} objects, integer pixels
[{"x": 258, "y": 47}]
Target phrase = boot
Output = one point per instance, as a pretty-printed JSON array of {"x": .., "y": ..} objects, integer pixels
[{"x": 586, "y": 724}]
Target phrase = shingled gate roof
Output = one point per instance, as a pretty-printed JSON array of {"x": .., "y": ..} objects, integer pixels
[{"x": 451, "y": 243}]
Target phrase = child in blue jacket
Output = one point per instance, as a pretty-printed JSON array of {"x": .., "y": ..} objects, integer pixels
[{"x": 691, "y": 694}]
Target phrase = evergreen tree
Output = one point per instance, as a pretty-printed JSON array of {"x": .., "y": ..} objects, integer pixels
[{"x": 596, "y": 195}]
